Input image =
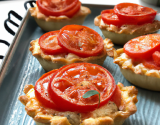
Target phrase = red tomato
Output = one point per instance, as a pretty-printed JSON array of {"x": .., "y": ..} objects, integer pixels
[
  {"x": 41, "y": 92},
  {"x": 71, "y": 82},
  {"x": 150, "y": 64},
  {"x": 49, "y": 44},
  {"x": 142, "y": 47},
  {"x": 109, "y": 17},
  {"x": 80, "y": 40},
  {"x": 58, "y": 7},
  {"x": 156, "y": 58},
  {"x": 116, "y": 98},
  {"x": 135, "y": 13}
]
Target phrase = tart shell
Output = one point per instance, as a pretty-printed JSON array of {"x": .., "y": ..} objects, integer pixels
[
  {"x": 44, "y": 116},
  {"x": 121, "y": 35},
  {"x": 116, "y": 38},
  {"x": 52, "y": 23},
  {"x": 137, "y": 73},
  {"x": 143, "y": 81},
  {"x": 50, "y": 62}
]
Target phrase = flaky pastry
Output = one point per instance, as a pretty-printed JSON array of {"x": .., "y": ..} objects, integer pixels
[
  {"x": 108, "y": 114},
  {"x": 124, "y": 33},
  {"x": 50, "y": 62},
  {"x": 50, "y": 23},
  {"x": 137, "y": 73}
]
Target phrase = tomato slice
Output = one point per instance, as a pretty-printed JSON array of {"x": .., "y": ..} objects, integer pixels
[
  {"x": 41, "y": 92},
  {"x": 156, "y": 58},
  {"x": 109, "y": 17},
  {"x": 71, "y": 82},
  {"x": 49, "y": 44},
  {"x": 58, "y": 7},
  {"x": 142, "y": 47},
  {"x": 150, "y": 64},
  {"x": 135, "y": 13},
  {"x": 80, "y": 40}
]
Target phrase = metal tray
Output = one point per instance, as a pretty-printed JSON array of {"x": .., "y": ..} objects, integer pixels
[{"x": 20, "y": 68}]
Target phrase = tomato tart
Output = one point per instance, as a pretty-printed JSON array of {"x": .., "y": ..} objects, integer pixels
[
  {"x": 127, "y": 21},
  {"x": 79, "y": 94},
  {"x": 54, "y": 14},
  {"x": 72, "y": 44},
  {"x": 139, "y": 61}
]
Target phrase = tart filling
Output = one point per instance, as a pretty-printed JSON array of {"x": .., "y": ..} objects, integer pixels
[
  {"x": 50, "y": 62},
  {"x": 107, "y": 114},
  {"x": 49, "y": 23},
  {"x": 137, "y": 73}
]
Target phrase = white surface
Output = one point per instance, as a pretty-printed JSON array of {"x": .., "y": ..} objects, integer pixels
[{"x": 18, "y": 7}]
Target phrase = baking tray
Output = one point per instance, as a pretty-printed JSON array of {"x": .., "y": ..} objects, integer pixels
[{"x": 20, "y": 68}]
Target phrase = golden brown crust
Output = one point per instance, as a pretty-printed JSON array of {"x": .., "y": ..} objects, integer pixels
[
  {"x": 137, "y": 73},
  {"x": 44, "y": 115},
  {"x": 120, "y": 35},
  {"x": 50, "y": 23},
  {"x": 50, "y": 62}
]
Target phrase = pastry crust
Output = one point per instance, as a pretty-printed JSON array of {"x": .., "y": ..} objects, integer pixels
[
  {"x": 50, "y": 23},
  {"x": 46, "y": 116},
  {"x": 121, "y": 35},
  {"x": 49, "y": 62},
  {"x": 137, "y": 73}
]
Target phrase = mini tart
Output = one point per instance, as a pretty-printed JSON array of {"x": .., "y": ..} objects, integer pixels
[
  {"x": 108, "y": 114},
  {"x": 50, "y": 23},
  {"x": 50, "y": 62},
  {"x": 137, "y": 73},
  {"x": 121, "y": 35}
]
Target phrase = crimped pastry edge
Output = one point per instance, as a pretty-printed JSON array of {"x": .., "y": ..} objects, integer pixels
[
  {"x": 116, "y": 38},
  {"x": 122, "y": 36},
  {"x": 141, "y": 76},
  {"x": 52, "y": 23},
  {"x": 49, "y": 62},
  {"x": 143, "y": 81},
  {"x": 126, "y": 109}
]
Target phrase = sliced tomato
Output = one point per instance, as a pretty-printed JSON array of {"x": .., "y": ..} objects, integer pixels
[
  {"x": 116, "y": 97},
  {"x": 150, "y": 64},
  {"x": 80, "y": 40},
  {"x": 71, "y": 82},
  {"x": 135, "y": 13},
  {"x": 156, "y": 57},
  {"x": 58, "y": 7},
  {"x": 142, "y": 47},
  {"x": 41, "y": 92},
  {"x": 49, "y": 44},
  {"x": 109, "y": 17}
]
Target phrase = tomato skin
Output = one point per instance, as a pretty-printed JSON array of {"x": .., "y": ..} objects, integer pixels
[
  {"x": 150, "y": 64},
  {"x": 135, "y": 13},
  {"x": 80, "y": 40},
  {"x": 156, "y": 58},
  {"x": 116, "y": 98},
  {"x": 63, "y": 98},
  {"x": 54, "y": 10},
  {"x": 49, "y": 44},
  {"x": 142, "y": 47},
  {"x": 40, "y": 90},
  {"x": 109, "y": 17}
]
